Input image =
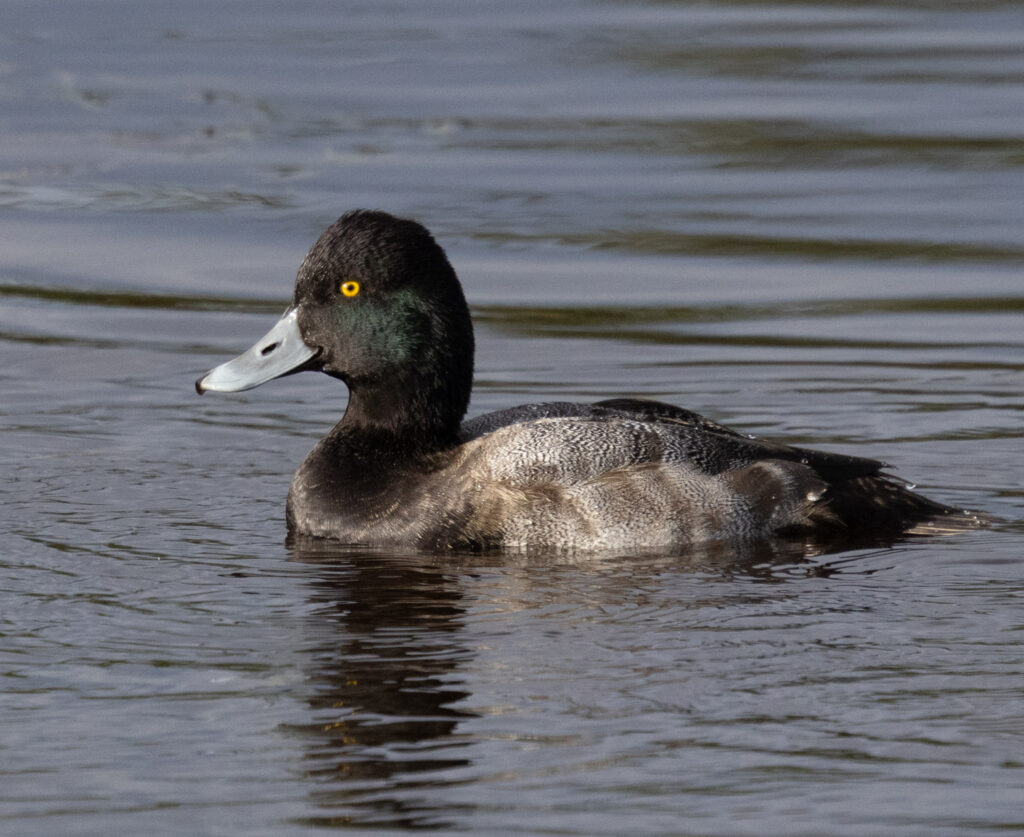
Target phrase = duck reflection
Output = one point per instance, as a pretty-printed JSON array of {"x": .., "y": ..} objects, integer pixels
[
  {"x": 383, "y": 686},
  {"x": 388, "y": 648}
]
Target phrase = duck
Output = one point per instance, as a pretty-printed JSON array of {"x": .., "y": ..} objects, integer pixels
[{"x": 378, "y": 306}]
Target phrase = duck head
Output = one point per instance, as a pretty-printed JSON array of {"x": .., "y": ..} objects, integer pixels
[{"x": 378, "y": 306}]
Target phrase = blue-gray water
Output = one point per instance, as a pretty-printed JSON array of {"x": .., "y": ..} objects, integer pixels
[{"x": 802, "y": 219}]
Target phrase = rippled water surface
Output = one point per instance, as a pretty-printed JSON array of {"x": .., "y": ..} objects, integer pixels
[{"x": 802, "y": 219}]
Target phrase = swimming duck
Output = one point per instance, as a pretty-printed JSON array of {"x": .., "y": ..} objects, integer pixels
[{"x": 378, "y": 306}]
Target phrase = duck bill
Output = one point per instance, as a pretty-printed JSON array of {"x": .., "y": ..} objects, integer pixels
[{"x": 280, "y": 351}]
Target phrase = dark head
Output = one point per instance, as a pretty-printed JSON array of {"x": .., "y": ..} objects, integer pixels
[{"x": 377, "y": 305}]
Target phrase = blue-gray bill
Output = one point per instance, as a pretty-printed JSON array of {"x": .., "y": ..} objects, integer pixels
[{"x": 278, "y": 352}]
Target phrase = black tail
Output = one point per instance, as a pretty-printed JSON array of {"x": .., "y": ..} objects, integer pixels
[{"x": 884, "y": 505}]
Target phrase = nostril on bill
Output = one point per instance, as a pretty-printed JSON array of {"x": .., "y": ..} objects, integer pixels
[{"x": 266, "y": 350}]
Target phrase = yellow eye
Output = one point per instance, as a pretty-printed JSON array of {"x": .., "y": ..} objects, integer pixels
[{"x": 350, "y": 288}]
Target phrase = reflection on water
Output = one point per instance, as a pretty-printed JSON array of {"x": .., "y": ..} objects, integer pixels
[
  {"x": 385, "y": 673},
  {"x": 390, "y": 655}
]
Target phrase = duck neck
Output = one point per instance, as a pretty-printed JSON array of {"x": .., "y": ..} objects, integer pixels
[{"x": 404, "y": 416}]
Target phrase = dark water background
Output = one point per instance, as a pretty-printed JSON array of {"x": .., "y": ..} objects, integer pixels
[{"x": 802, "y": 219}]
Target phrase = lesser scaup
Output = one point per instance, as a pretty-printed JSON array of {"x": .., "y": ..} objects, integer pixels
[{"x": 378, "y": 306}]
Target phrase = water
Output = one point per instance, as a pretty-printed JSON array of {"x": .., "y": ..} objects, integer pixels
[{"x": 800, "y": 219}]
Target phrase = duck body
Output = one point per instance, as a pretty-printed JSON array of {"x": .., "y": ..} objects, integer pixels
[
  {"x": 378, "y": 306},
  {"x": 622, "y": 474}
]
